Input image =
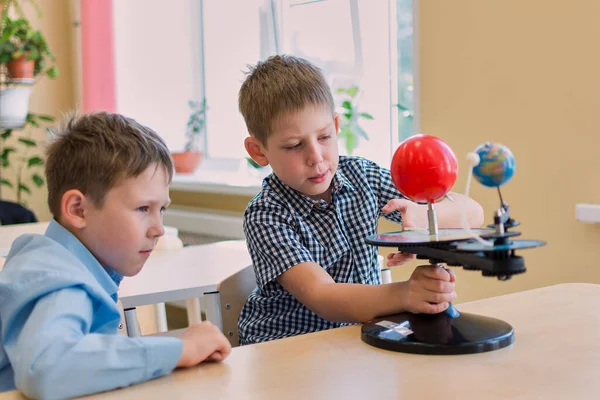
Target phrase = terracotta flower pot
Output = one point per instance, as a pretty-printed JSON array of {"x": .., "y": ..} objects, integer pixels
[
  {"x": 20, "y": 68},
  {"x": 187, "y": 161}
]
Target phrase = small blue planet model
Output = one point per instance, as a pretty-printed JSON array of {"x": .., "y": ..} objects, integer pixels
[{"x": 496, "y": 165}]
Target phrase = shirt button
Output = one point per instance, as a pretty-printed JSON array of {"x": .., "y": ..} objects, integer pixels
[{"x": 317, "y": 205}]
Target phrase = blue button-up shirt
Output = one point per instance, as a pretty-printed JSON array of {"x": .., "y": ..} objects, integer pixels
[
  {"x": 59, "y": 322},
  {"x": 284, "y": 228}
]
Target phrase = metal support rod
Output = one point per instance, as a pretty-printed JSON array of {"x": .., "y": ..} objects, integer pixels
[
  {"x": 450, "y": 311},
  {"x": 131, "y": 322},
  {"x": 213, "y": 309},
  {"x": 500, "y": 224},
  {"x": 501, "y": 199},
  {"x": 432, "y": 219},
  {"x": 160, "y": 311}
]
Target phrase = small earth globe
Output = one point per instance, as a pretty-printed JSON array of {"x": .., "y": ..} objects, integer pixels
[{"x": 496, "y": 165}]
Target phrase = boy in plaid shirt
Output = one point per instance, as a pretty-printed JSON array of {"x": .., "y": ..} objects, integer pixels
[{"x": 306, "y": 229}]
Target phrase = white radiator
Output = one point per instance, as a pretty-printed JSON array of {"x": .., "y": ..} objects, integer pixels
[{"x": 205, "y": 222}]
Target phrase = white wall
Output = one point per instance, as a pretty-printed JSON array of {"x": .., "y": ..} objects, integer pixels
[{"x": 157, "y": 57}]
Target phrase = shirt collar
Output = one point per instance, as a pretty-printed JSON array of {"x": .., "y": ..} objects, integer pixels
[
  {"x": 108, "y": 278},
  {"x": 304, "y": 204},
  {"x": 341, "y": 183}
]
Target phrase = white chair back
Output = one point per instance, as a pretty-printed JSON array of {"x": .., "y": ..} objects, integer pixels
[{"x": 233, "y": 293}]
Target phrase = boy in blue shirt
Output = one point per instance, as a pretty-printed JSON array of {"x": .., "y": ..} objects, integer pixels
[
  {"x": 108, "y": 186},
  {"x": 306, "y": 229}
]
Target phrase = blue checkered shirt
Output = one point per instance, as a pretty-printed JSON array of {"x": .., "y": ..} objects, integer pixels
[{"x": 284, "y": 228}]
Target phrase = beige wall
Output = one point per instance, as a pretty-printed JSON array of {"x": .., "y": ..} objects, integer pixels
[
  {"x": 51, "y": 96},
  {"x": 523, "y": 73}
]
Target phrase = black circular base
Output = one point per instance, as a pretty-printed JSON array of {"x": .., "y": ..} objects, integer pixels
[{"x": 438, "y": 333}]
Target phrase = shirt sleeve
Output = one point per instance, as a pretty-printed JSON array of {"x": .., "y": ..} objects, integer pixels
[
  {"x": 273, "y": 242},
  {"x": 54, "y": 356},
  {"x": 381, "y": 180}
]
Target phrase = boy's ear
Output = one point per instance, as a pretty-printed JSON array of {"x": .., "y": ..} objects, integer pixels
[
  {"x": 72, "y": 208},
  {"x": 336, "y": 121},
  {"x": 255, "y": 150}
]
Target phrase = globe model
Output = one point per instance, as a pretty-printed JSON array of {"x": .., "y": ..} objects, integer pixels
[{"x": 496, "y": 165}]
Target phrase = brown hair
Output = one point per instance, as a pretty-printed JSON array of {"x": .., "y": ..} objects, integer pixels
[
  {"x": 277, "y": 86},
  {"x": 93, "y": 152}
]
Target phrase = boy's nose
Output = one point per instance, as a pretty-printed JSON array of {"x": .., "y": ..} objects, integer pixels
[
  {"x": 157, "y": 229},
  {"x": 314, "y": 156}
]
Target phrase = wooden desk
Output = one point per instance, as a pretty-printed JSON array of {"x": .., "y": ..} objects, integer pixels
[
  {"x": 181, "y": 274},
  {"x": 556, "y": 355}
]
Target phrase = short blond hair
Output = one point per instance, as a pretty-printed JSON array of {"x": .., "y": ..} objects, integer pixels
[
  {"x": 277, "y": 86},
  {"x": 93, "y": 152}
]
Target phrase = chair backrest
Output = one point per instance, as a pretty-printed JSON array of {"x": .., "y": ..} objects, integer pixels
[
  {"x": 233, "y": 293},
  {"x": 15, "y": 213}
]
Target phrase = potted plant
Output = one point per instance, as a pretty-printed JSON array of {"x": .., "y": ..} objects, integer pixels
[
  {"x": 350, "y": 130},
  {"x": 188, "y": 160},
  {"x": 18, "y": 152},
  {"x": 24, "y": 55},
  {"x": 24, "y": 50}
]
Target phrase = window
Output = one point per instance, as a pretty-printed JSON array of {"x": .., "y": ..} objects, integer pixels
[
  {"x": 233, "y": 36},
  {"x": 406, "y": 61},
  {"x": 362, "y": 43},
  {"x": 350, "y": 41}
]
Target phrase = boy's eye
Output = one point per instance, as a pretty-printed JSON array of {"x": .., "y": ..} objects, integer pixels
[
  {"x": 163, "y": 209},
  {"x": 325, "y": 137},
  {"x": 144, "y": 209},
  {"x": 293, "y": 147}
]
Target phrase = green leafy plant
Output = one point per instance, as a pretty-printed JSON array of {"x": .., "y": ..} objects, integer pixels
[
  {"x": 19, "y": 39},
  {"x": 350, "y": 130},
  {"x": 196, "y": 124},
  {"x": 17, "y": 151}
]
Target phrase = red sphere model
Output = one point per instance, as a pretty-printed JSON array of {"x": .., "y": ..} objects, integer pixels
[{"x": 424, "y": 168}]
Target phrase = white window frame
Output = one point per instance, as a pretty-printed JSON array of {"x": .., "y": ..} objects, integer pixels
[{"x": 234, "y": 176}]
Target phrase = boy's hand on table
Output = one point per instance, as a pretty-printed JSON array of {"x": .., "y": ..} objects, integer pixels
[
  {"x": 429, "y": 290},
  {"x": 203, "y": 342}
]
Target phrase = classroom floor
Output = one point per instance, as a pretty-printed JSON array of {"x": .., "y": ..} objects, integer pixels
[{"x": 177, "y": 316}]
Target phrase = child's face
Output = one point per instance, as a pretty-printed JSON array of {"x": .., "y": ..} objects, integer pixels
[
  {"x": 303, "y": 150},
  {"x": 123, "y": 233}
]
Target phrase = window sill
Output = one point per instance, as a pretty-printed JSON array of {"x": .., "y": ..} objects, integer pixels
[{"x": 222, "y": 176}]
